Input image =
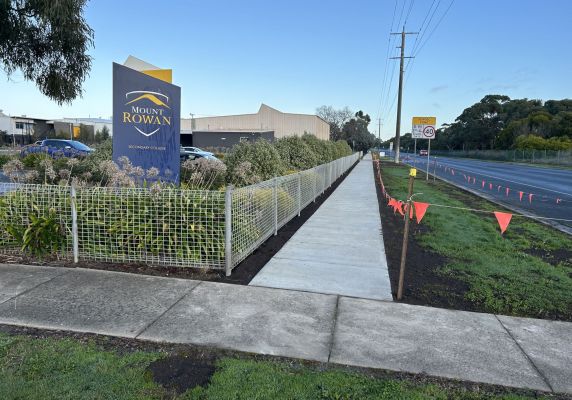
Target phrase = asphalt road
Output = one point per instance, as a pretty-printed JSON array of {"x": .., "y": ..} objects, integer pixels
[{"x": 551, "y": 188}]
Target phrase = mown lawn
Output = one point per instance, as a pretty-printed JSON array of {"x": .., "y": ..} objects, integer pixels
[
  {"x": 48, "y": 368},
  {"x": 509, "y": 274}
]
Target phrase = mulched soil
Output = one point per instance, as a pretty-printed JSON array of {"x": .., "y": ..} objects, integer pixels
[
  {"x": 186, "y": 366},
  {"x": 242, "y": 274}
]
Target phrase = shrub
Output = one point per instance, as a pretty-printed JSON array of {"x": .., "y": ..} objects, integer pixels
[
  {"x": 533, "y": 142},
  {"x": 296, "y": 153},
  {"x": 322, "y": 148},
  {"x": 264, "y": 159},
  {"x": 159, "y": 224},
  {"x": 203, "y": 174},
  {"x": 343, "y": 149},
  {"x": 33, "y": 221},
  {"x": 4, "y": 158},
  {"x": 33, "y": 160}
]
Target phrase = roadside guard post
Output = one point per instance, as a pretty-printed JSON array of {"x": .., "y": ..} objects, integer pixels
[
  {"x": 412, "y": 175},
  {"x": 424, "y": 128}
]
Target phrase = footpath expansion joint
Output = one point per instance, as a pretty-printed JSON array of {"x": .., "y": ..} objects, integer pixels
[
  {"x": 166, "y": 311},
  {"x": 538, "y": 371},
  {"x": 334, "y": 325}
]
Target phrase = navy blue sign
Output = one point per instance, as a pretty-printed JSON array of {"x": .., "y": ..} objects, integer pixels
[{"x": 146, "y": 122}]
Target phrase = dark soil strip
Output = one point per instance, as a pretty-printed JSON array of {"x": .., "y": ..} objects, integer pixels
[
  {"x": 423, "y": 285},
  {"x": 185, "y": 366},
  {"x": 242, "y": 274}
]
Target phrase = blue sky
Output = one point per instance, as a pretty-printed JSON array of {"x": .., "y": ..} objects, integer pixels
[{"x": 230, "y": 56}]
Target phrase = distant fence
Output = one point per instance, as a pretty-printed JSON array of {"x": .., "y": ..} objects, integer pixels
[
  {"x": 186, "y": 228},
  {"x": 556, "y": 157}
]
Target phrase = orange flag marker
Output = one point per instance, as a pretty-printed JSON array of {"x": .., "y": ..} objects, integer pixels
[
  {"x": 400, "y": 208},
  {"x": 520, "y": 195},
  {"x": 503, "y": 219},
  {"x": 420, "y": 209}
]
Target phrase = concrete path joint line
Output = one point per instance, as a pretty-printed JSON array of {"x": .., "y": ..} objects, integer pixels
[
  {"x": 333, "y": 328},
  {"x": 167, "y": 310},
  {"x": 538, "y": 371},
  {"x": 66, "y": 271}
]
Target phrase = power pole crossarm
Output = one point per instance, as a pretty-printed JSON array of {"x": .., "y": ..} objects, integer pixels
[{"x": 400, "y": 92}]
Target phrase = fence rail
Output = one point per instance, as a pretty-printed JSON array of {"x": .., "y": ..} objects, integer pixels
[{"x": 185, "y": 228}]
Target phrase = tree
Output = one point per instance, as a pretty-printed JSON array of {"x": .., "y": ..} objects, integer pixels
[
  {"x": 336, "y": 119},
  {"x": 102, "y": 135},
  {"x": 357, "y": 135},
  {"x": 48, "y": 41},
  {"x": 86, "y": 134}
]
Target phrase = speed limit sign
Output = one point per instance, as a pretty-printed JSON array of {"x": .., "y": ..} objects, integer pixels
[{"x": 429, "y": 132}]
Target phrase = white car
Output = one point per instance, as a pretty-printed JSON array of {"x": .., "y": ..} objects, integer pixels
[{"x": 196, "y": 150}]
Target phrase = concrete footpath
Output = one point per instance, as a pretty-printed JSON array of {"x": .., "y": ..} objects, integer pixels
[
  {"x": 339, "y": 250},
  {"x": 516, "y": 352}
]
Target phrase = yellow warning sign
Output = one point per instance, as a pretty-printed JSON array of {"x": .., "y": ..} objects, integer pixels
[{"x": 424, "y": 121}]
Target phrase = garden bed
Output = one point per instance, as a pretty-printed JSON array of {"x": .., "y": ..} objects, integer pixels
[
  {"x": 458, "y": 259},
  {"x": 242, "y": 274}
]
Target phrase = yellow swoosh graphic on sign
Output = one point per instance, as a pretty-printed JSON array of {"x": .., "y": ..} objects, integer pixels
[{"x": 150, "y": 97}]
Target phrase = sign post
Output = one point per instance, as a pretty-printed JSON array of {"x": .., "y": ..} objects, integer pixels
[{"x": 424, "y": 128}]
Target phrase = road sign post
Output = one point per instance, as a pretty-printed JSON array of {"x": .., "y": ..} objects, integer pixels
[{"x": 428, "y": 152}]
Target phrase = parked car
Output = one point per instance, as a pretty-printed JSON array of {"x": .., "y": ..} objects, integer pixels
[
  {"x": 196, "y": 150},
  {"x": 191, "y": 155},
  {"x": 57, "y": 148},
  {"x": 422, "y": 152}
]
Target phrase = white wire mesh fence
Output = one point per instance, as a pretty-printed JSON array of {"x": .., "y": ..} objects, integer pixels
[
  {"x": 24, "y": 207},
  {"x": 164, "y": 227},
  {"x": 186, "y": 228},
  {"x": 259, "y": 210}
]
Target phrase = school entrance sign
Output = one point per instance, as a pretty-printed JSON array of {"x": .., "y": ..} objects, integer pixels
[{"x": 146, "y": 121}]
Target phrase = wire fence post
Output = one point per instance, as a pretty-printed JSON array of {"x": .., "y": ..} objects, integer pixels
[
  {"x": 315, "y": 179},
  {"x": 228, "y": 229},
  {"x": 299, "y": 193},
  {"x": 275, "y": 203},
  {"x": 75, "y": 238}
]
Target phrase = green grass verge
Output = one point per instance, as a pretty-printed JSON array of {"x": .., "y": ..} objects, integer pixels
[
  {"x": 49, "y": 368},
  {"x": 502, "y": 274}
]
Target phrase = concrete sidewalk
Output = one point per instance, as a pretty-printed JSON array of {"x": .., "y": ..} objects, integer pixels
[
  {"x": 517, "y": 352},
  {"x": 339, "y": 250}
]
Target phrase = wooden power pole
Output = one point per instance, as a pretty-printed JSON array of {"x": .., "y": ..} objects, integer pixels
[{"x": 400, "y": 90}]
